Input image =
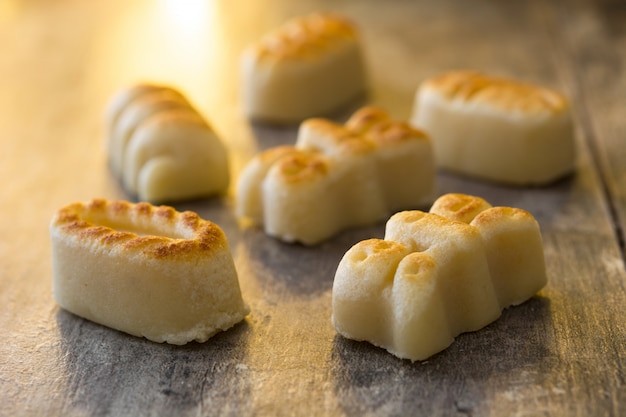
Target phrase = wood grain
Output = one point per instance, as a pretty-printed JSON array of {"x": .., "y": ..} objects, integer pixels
[
  {"x": 594, "y": 50},
  {"x": 562, "y": 353}
]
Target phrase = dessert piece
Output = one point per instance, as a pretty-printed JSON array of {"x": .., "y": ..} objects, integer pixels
[
  {"x": 337, "y": 177},
  {"x": 128, "y": 109},
  {"x": 308, "y": 67},
  {"x": 124, "y": 97},
  {"x": 161, "y": 147},
  {"x": 496, "y": 129},
  {"x": 145, "y": 270},
  {"x": 437, "y": 274}
]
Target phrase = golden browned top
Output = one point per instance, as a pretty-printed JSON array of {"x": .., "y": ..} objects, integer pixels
[
  {"x": 140, "y": 92},
  {"x": 322, "y": 141},
  {"x": 157, "y": 232},
  {"x": 508, "y": 94},
  {"x": 329, "y": 134},
  {"x": 302, "y": 166},
  {"x": 307, "y": 36},
  {"x": 418, "y": 267},
  {"x": 406, "y": 223},
  {"x": 367, "y": 129},
  {"x": 496, "y": 214},
  {"x": 294, "y": 165},
  {"x": 366, "y": 117},
  {"x": 177, "y": 116},
  {"x": 376, "y": 124},
  {"x": 272, "y": 155},
  {"x": 145, "y": 90},
  {"x": 370, "y": 247},
  {"x": 160, "y": 99},
  {"x": 475, "y": 210},
  {"x": 460, "y": 207}
]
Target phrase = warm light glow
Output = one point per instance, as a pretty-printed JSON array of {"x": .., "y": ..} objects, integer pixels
[
  {"x": 176, "y": 42},
  {"x": 8, "y": 10},
  {"x": 186, "y": 17},
  {"x": 185, "y": 31},
  {"x": 187, "y": 44}
]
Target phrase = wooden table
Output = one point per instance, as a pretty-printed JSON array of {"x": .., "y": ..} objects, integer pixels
[{"x": 562, "y": 353}]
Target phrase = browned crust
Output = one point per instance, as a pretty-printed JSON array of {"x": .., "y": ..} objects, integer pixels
[
  {"x": 306, "y": 36},
  {"x": 302, "y": 166},
  {"x": 375, "y": 124},
  {"x": 343, "y": 138},
  {"x": 509, "y": 94},
  {"x": 496, "y": 213},
  {"x": 366, "y": 117},
  {"x": 183, "y": 116},
  {"x": 461, "y": 207},
  {"x": 146, "y": 93},
  {"x": 368, "y": 129},
  {"x": 417, "y": 219},
  {"x": 82, "y": 221},
  {"x": 272, "y": 155}
]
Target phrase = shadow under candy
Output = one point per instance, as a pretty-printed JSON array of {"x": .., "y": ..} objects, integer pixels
[
  {"x": 108, "y": 371},
  {"x": 461, "y": 379}
]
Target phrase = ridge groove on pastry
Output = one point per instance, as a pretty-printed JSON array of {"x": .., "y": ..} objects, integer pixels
[
  {"x": 496, "y": 129},
  {"x": 310, "y": 66},
  {"x": 145, "y": 270},
  {"x": 337, "y": 177},
  {"x": 161, "y": 148},
  {"x": 437, "y": 274}
]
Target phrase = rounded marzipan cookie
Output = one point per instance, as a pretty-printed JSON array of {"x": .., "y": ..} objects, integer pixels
[
  {"x": 310, "y": 66},
  {"x": 161, "y": 147},
  {"x": 148, "y": 271},
  {"x": 437, "y": 274},
  {"x": 337, "y": 176},
  {"x": 496, "y": 129}
]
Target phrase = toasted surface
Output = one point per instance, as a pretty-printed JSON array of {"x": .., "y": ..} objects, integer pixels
[
  {"x": 310, "y": 66},
  {"x": 306, "y": 37},
  {"x": 145, "y": 270},
  {"x": 498, "y": 92},
  {"x": 496, "y": 129},
  {"x": 375, "y": 124},
  {"x": 156, "y": 231},
  {"x": 124, "y": 97},
  {"x": 336, "y": 177},
  {"x": 460, "y": 207},
  {"x": 437, "y": 274}
]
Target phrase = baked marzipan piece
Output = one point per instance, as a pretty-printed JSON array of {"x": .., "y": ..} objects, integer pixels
[
  {"x": 310, "y": 66},
  {"x": 337, "y": 177},
  {"x": 161, "y": 148},
  {"x": 496, "y": 129},
  {"x": 144, "y": 270},
  {"x": 436, "y": 275}
]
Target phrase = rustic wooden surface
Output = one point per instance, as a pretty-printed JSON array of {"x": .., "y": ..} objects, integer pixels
[{"x": 563, "y": 353}]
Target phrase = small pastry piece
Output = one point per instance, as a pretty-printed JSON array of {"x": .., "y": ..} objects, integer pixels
[
  {"x": 337, "y": 177},
  {"x": 144, "y": 270},
  {"x": 437, "y": 274},
  {"x": 496, "y": 129},
  {"x": 512, "y": 242},
  {"x": 124, "y": 97},
  {"x": 161, "y": 148},
  {"x": 404, "y": 157},
  {"x": 128, "y": 109},
  {"x": 308, "y": 67}
]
